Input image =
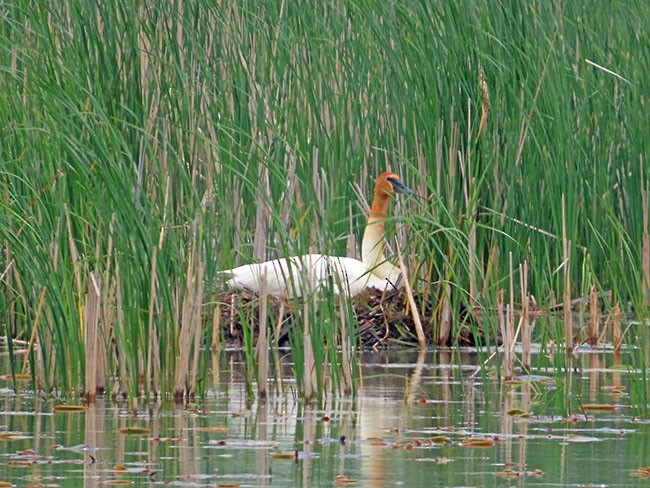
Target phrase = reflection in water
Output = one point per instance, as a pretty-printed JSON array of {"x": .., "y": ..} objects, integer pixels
[
  {"x": 94, "y": 437},
  {"x": 382, "y": 438},
  {"x": 262, "y": 422}
]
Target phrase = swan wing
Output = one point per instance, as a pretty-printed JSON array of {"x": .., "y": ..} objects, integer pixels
[{"x": 300, "y": 275}]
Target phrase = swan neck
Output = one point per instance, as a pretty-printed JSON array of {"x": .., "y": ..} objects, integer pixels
[{"x": 373, "y": 245}]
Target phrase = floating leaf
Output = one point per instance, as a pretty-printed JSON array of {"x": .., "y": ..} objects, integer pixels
[
  {"x": 18, "y": 377},
  {"x": 478, "y": 442},
  {"x": 376, "y": 441},
  {"x": 614, "y": 388},
  {"x": 13, "y": 436},
  {"x": 121, "y": 469},
  {"x": 215, "y": 428},
  {"x": 596, "y": 407},
  {"x": 135, "y": 431},
  {"x": 438, "y": 460},
  {"x": 643, "y": 472},
  {"x": 18, "y": 463},
  {"x": 507, "y": 473},
  {"x": 439, "y": 439},
  {"x": 343, "y": 480},
  {"x": 518, "y": 412},
  {"x": 228, "y": 485},
  {"x": 244, "y": 412},
  {"x": 512, "y": 473},
  {"x": 285, "y": 455},
  {"x": 118, "y": 482},
  {"x": 70, "y": 408}
]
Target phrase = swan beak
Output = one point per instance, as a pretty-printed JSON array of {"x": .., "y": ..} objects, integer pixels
[{"x": 400, "y": 187}]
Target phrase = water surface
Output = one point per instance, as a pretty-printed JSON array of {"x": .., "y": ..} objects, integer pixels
[{"x": 419, "y": 420}]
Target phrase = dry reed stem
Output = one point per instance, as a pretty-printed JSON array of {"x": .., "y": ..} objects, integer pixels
[
  {"x": 92, "y": 337},
  {"x": 262, "y": 214},
  {"x": 526, "y": 331},
  {"x": 609, "y": 72},
  {"x": 8, "y": 268},
  {"x": 275, "y": 349},
  {"x": 472, "y": 257},
  {"x": 511, "y": 307},
  {"x": 411, "y": 301},
  {"x": 617, "y": 320},
  {"x": 32, "y": 340},
  {"x": 216, "y": 329},
  {"x": 108, "y": 300},
  {"x": 190, "y": 321},
  {"x": 262, "y": 347},
  {"x": 470, "y": 208},
  {"x": 485, "y": 102},
  {"x": 566, "y": 295},
  {"x": 529, "y": 226},
  {"x": 309, "y": 381},
  {"x": 512, "y": 334},
  {"x": 153, "y": 358},
  {"x": 594, "y": 316},
  {"x": 75, "y": 258},
  {"x": 309, "y": 363},
  {"x": 444, "y": 324},
  {"x": 346, "y": 351},
  {"x": 119, "y": 311},
  {"x": 509, "y": 345},
  {"x": 503, "y": 319},
  {"x": 198, "y": 321},
  {"x": 645, "y": 286},
  {"x": 580, "y": 301}
]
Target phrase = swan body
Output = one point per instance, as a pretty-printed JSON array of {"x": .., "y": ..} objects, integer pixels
[{"x": 300, "y": 275}]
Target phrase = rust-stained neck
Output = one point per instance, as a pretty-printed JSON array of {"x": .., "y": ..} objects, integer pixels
[{"x": 373, "y": 244}]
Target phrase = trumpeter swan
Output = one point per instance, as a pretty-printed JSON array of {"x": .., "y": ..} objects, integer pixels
[{"x": 300, "y": 275}]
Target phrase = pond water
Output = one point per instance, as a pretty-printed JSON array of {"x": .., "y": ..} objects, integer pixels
[{"x": 419, "y": 420}]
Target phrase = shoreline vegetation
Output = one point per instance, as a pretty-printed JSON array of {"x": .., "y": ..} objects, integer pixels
[{"x": 145, "y": 147}]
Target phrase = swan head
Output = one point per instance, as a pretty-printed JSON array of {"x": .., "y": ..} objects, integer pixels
[{"x": 391, "y": 184}]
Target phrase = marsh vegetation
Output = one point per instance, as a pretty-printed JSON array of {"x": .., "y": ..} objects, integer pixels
[{"x": 148, "y": 145}]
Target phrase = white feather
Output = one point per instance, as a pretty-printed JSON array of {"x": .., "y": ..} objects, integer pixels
[{"x": 302, "y": 275}]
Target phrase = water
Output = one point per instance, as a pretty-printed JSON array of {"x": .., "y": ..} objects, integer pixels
[{"x": 406, "y": 429}]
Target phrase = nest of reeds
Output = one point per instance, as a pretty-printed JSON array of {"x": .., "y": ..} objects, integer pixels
[{"x": 384, "y": 319}]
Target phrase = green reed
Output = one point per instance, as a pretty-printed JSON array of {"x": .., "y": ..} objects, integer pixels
[{"x": 152, "y": 145}]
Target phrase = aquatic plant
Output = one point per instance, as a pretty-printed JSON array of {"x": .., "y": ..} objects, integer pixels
[{"x": 147, "y": 147}]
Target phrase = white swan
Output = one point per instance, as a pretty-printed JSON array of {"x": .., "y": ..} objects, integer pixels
[{"x": 300, "y": 275}]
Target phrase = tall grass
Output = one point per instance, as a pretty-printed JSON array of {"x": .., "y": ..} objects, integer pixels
[{"x": 147, "y": 145}]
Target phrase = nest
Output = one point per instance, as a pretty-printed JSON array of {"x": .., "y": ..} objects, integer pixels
[{"x": 384, "y": 319}]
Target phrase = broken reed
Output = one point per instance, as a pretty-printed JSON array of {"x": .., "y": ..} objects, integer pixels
[{"x": 148, "y": 151}]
